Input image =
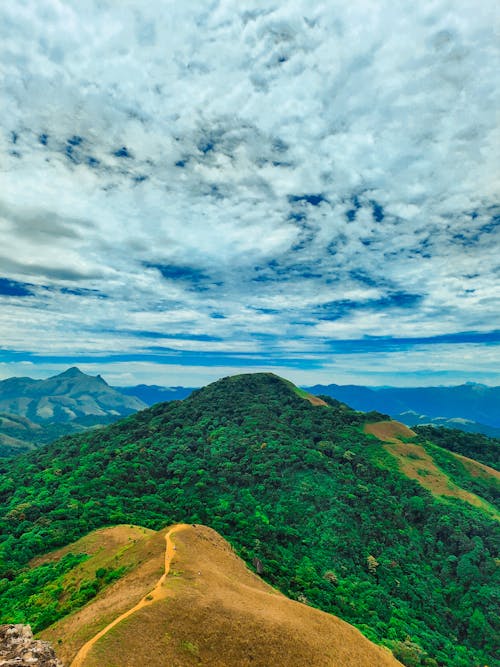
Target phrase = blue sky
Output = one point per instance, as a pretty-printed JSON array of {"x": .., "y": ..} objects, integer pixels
[{"x": 189, "y": 190}]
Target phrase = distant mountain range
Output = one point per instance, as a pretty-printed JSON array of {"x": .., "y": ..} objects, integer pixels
[
  {"x": 469, "y": 407},
  {"x": 152, "y": 393},
  {"x": 33, "y": 412}
]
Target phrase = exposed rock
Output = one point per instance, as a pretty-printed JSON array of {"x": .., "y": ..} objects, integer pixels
[
  {"x": 18, "y": 648},
  {"x": 257, "y": 563}
]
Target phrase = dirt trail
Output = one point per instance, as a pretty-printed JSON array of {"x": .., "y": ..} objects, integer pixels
[{"x": 158, "y": 593}]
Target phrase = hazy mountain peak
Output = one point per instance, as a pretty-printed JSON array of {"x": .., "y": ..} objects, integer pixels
[
  {"x": 72, "y": 372},
  {"x": 72, "y": 399}
]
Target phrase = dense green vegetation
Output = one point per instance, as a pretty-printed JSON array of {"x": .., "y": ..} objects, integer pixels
[
  {"x": 44, "y": 594},
  {"x": 297, "y": 486},
  {"x": 487, "y": 488},
  {"x": 474, "y": 445},
  {"x": 37, "y": 594}
]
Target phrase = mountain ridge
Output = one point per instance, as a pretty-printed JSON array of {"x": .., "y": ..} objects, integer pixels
[
  {"x": 384, "y": 399},
  {"x": 213, "y": 610},
  {"x": 66, "y": 388}
]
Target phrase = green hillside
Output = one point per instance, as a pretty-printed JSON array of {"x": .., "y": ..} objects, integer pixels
[
  {"x": 301, "y": 487},
  {"x": 474, "y": 445}
]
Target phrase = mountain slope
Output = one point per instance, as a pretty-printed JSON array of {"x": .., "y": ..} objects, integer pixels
[
  {"x": 66, "y": 397},
  {"x": 16, "y": 433},
  {"x": 210, "y": 609},
  {"x": 300, "y": 487},
  {"x": 416, "y": 460},
  {"x": 479, "y": 447},
  {"x": 38, "y": 411}
]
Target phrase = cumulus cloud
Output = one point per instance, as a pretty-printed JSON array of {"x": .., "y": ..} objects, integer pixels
[{"x": 269, "y": 177}]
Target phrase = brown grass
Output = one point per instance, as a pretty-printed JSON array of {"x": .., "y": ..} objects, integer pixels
[
  {"x": 315, "y": 400},
  {"x": 416, "y": 463},
  {"x": 159, "y": 592},
  {"x": 105, "y": 539},
  {"x": 110, "y": 547},
  {"x": 389, "y": 431},
  {"x": 477, "y": 469},
  {"x": 216, "y": 612}
]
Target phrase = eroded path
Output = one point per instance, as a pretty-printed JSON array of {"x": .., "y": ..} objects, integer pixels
[{"x": 158, "y": 593}]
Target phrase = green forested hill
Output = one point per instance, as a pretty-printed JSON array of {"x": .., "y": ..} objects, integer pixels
[{"x": 298, "y": 486}]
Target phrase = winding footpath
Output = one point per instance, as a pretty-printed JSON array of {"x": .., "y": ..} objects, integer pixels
[{"x": 158, "y": 593}]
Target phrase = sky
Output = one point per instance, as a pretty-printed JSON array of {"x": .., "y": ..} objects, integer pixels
[{"x": 191, "y": 190}]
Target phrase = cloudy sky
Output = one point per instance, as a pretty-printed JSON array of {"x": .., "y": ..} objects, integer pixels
[{"x": 188, "y": 190}]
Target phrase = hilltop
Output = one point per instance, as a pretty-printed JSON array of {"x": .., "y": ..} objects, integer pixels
[
  {"x": 36, "y": 411},
  {"x": 470, "y": 407},
  {"x": 332, "y": 516}
]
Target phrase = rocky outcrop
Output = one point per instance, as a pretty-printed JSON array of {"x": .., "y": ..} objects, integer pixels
[{"x": 18, "y": 648}]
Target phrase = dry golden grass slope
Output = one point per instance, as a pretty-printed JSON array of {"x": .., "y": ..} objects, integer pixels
[
  {"x": 417, "y": 463},
  {"x": 477, "y": 469},
  {"x": 209, "y": 610}
]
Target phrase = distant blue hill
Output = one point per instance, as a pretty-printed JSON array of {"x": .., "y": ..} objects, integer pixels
[
  {"x": 152, "y": 393},
  {"x": 469, "y": 407}
]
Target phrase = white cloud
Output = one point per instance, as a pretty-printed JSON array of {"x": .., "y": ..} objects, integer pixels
[{"x": 185, "y": 135}]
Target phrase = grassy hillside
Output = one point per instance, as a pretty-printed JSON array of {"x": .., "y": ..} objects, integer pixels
[
  {"x": 475, "y": 446},
  {"x": 300, "y": 487},
  {"x": 441, "y": 472},
  {"x": 210, "y": 610},
  {"x": 57, "y": 584}
]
